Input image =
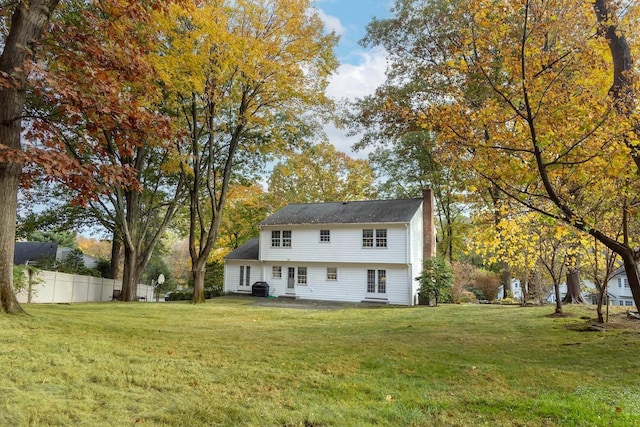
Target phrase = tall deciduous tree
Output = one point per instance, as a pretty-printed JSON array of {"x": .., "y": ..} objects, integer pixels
[
  {"x": 103, "y": 107},
  {"x": 538, "y": 97},
  {"x": 24, "y": 22},
  {"x": 240, "y": 73},
  {"x": 320, "y": 173}
]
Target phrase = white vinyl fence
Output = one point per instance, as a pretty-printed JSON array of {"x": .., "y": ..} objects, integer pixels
[{"x": 55, "y": 287}]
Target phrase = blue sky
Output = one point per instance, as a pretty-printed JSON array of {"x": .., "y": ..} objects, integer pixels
[
  {"x": 361, "y": 70},
  {"x": 349, "y": 19}
]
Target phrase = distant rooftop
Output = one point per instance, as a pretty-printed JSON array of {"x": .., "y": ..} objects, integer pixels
[
  {"x": 359, "y": 212},
  {"x": 33, "y": 251}
]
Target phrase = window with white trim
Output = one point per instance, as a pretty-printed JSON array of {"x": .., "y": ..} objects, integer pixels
[
  {"x": 302, "y": 275},
  {"x": 286, "y": 238},
  {"x": 275, "y": 238},
  {"x": 280, "y": 238},
  {"x": 367, "y": 238},
  {"x": 380, "y": 239},
  {"x": 325, "y": 236},
  {"x": 332, "y": 273},
  {"x": 276, "y": 272}
]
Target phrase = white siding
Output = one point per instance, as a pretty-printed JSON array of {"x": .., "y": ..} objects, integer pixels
[
  {"x": 351, "y": 285},
  {"x": 345, "y": 245},
  {"x": 232, "y": 275}
]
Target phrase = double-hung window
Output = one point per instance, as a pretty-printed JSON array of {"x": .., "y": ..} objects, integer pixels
[
  {"x": 281, "y": 238},
  {"x": 286, "y": 238},
  {"x": 367, "y": 238},
  {"x": 374, "y": 238},
  {"x": 302, "y": 275},
  {"x": 332, "y": 273},
  {"x": 275, "y": 239},
  {"x": 276, "y": 272},
  {"x": 325, "y": 236}
]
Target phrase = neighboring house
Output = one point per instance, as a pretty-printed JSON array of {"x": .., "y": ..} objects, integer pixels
[
  {"x": 344, "y": 251},
  {"x": 33, "y": 252},
  {"x": 619, "y": 290}
]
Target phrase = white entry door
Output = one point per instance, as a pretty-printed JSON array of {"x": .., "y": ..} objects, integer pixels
[{"x": 291, "y": 280}]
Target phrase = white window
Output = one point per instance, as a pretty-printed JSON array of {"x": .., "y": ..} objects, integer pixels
[
  {"x": 619, "y": 282},
  {"x": 325, "y": 235},
  {"x": 276, "y": 272},
  {"x": 332, "y": 273},
  {"x": 275, "y": 239},
  {"x": 367, "y": 238},
  {"x": 628, "y": 303},
  {"x": 302, "y": 275},
  {"x": 281, "y": 238},
  {"x": 626, "y": 282},
  {"x": 376, "y": 281},
  {"x": 380, "y": 238},
  {"x": 286, "y": 239}
]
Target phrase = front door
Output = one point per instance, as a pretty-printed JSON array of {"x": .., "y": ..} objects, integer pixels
[{"x": 291, "y": 280}]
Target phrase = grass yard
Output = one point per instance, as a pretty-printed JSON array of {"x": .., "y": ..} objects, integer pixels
[{"x": 231, "y": 362}]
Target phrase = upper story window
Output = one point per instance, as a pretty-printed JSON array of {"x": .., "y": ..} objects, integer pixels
[
  {"x": 286, "y": 238},
  {"x": 367, "y": 238},
  {"x": 380, "y": 239},
  {"x": 281, "y": 238},
  {"x": 325, "y": 235}
]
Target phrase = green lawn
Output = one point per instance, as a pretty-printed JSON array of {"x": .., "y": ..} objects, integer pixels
[{"x": 231, "y": 362}]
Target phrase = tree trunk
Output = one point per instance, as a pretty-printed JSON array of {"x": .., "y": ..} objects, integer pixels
[
  {"x": 116, "y": 255},
  {"x": 602, "y": 291},
  {"x": 131, "y": 276},
  {"x": 198, "y": 283},
  {"x": 574, "y": 292},
  {"x": 9, "y": 179},
  {"x": 505, "y": 278},
  {"x": 27, "y": 21},
  {"x": 556, "y": 287},
  {"x": 630, "y": 260}
]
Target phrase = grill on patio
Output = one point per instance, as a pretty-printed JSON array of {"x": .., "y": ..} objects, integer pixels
[{"x": 260, "y": 289}]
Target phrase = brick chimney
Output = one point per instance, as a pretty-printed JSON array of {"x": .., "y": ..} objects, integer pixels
[{"x": 428, "y": 225}]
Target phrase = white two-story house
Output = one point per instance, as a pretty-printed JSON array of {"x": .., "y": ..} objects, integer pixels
[{"x": 345, "y": 251}]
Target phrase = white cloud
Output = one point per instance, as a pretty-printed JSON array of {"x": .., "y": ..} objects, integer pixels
[
  {"x": 353, "y": 81},
  {"x": 357, "y": 80},
  {"x": 332, "y": 23}
]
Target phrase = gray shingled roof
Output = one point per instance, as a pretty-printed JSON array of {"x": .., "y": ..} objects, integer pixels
[
  {"x": 371, "y": 211},
  {"x": 248, "y": 251},
  {"x": 33, "y": 251}
]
